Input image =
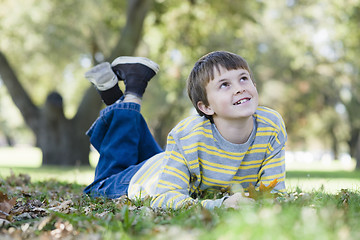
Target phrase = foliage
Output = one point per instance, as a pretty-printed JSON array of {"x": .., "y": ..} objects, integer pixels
[
  {"x": 52, "y": 210},
  {"x": 304, "y": 55},
  {"x": 264, "y": 191}
]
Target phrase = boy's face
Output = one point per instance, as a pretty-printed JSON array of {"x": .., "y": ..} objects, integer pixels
[{"x": 232, "y": 95}]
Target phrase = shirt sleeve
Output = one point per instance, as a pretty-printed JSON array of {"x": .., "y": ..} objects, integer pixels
[
  {"x": 273, "y": 166},
  {"x": 173, "y": 185}
]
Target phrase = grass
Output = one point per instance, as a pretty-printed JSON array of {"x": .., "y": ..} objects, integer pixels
[
  {"x": 71, "y": 215},
  {"x": 319, "y": 205},
  {"x": 330, "y": 177},
  {"x": 28, "y": 160},
  {"x": 330, "y": 182},
  {"x": 78, "y": 175}
]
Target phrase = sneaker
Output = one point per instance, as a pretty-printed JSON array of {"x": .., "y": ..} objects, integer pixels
[
  {"x": 102, "y": 76},
  {"x": 136, "y": 73}
]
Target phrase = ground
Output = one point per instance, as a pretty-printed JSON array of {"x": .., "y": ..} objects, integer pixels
[
  {"x": 48, "y": 204},
  {"x": 58, "y": 210}
]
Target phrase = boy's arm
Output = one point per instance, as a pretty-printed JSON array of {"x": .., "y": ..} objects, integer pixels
[
  {"x": 173, "y": 185},
  {"x": 273, "y": 166}
]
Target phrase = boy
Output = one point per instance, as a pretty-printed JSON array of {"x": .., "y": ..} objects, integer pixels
[{"x": 231, "y": 141}]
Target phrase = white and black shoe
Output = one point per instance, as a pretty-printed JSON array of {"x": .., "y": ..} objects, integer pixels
[{"x": 136, "y": 73}]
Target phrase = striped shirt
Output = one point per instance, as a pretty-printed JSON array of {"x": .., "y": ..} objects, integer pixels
[{"x": 197, "y": 158}]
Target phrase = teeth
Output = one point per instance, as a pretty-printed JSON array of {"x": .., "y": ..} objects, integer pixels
[{"x": 242, "y": 101}]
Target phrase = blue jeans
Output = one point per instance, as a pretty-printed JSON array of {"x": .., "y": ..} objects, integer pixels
[{"x": 124, "y": 142}]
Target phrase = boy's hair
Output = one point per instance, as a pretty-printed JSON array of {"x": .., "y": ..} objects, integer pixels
[{"x": 203, "y": 72}]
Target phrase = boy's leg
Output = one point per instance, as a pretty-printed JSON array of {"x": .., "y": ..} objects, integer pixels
[
  {"x": 135, "y": 71},
  {"x": 120, "y": 134},
  {"x": 105, "y": 82},
  {"x": 124, "y": 141}
]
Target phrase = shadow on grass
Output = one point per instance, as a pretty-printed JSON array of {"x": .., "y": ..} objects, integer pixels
[{"x": 323, "y": 174}]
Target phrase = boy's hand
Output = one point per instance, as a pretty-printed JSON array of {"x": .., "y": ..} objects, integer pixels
[{"x": 237, "y": 200}]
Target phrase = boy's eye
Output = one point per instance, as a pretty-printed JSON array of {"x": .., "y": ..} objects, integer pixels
[
  {"x": 224, "y": 84},
  {"x": 243, "y": 79}
]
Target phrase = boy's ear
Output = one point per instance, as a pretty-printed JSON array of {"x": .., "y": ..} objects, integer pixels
[{"x": 207, "y": 110}]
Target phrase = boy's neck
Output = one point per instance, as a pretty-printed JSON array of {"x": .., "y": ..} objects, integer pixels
[{"x": 237, "y": 131}]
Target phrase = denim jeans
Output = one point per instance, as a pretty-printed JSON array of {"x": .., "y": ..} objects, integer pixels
[{"x": 124, "y": 142}]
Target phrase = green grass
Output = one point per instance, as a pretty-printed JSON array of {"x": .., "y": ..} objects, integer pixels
[
  {"x": 315, "y": 207},
  {"x": 70, "y": 215},
  {"x": 330, "y": 177},
  {"x": 28, "y": 160},
  {"x": 79, "y": 175},
  {"x": 331, "y": 181},
  {"x": 20, "y": 157}
]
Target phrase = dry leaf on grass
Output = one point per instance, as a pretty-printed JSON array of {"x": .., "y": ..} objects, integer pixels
[
  {"x": 264, "y": 191},
  {"x": 5, "y": 205}
]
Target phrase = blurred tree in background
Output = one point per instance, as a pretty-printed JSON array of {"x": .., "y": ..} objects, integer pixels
[
  {"x": 303, "y": 55},
  {"x": 47, "y": 41}
]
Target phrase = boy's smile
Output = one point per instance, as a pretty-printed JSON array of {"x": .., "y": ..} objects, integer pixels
[
  {"x": 231, "y": 95},
  {"x": 243, "y": 100}
]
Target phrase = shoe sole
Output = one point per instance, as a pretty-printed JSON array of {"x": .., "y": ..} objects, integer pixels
[
  {"x": 103, "y": 86},
  {"x": 95, "y": 69},
  {"x": 132, "y": 60}
]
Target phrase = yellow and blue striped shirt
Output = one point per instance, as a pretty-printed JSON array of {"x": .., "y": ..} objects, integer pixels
[{"x": 197, "y": 158}]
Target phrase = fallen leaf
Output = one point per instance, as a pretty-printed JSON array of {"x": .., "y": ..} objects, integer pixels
[
  {"x": 64, "y": 207},
  {"x": 268, "y": 188},
  {"x": 264, "y": 191},
  {"x": 5, "y": 205},
  {"x": 3, "y": 222},
  {"x": 19, "y": 180},
  {"x": 344, "y": 197}
]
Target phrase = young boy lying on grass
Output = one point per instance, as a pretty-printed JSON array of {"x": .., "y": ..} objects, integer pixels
[{"x": 231, "y": 141}]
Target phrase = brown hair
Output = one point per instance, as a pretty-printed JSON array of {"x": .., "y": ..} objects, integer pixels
[{"x": 203, "y": 72}]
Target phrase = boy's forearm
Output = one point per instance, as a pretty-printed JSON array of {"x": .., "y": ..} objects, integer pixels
[
  {"x": 274, "y": 168},
  {"x": 169, "y": 200}
]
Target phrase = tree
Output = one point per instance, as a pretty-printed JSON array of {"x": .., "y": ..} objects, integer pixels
[
  {"x": 349, "y": 16},
  {"x": 301, "y": 60},
  {"x": 179, "y": 37},
  {"x": 62, "y": 140},
  {"x": 313, "y": 84}
]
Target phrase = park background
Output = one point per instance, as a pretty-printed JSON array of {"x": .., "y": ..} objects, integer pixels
[{"x": 304, "y": 56}]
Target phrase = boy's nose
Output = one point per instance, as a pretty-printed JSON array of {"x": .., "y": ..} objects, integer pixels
[{"x": 239, "y": 89}]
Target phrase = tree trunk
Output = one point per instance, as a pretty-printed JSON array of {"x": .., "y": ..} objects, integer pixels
[
  {"x": 357, "y": 154},
  {"x": 132, "y": 32},
  {"x": 63, "y": 141},
  {"x": 166, "y": 119},
  {"x": 334, "y": 142},
  {"x": 354, "y": 145},
  {"x": 60, "y": 149},
  {"x": 9, "y": 140}
]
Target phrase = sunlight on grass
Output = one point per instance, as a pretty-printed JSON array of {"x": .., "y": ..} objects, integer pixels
[
  {"x": 30, "y": 157},
  {"x": 330, "y": 177},
  {"x": 328, "y": 185},
  {"x": 20, "y": 157},
  {"x": 334, "y": 165},
  {"x": 28, "y": 160},
  {"x": 79, "y": 175}
]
